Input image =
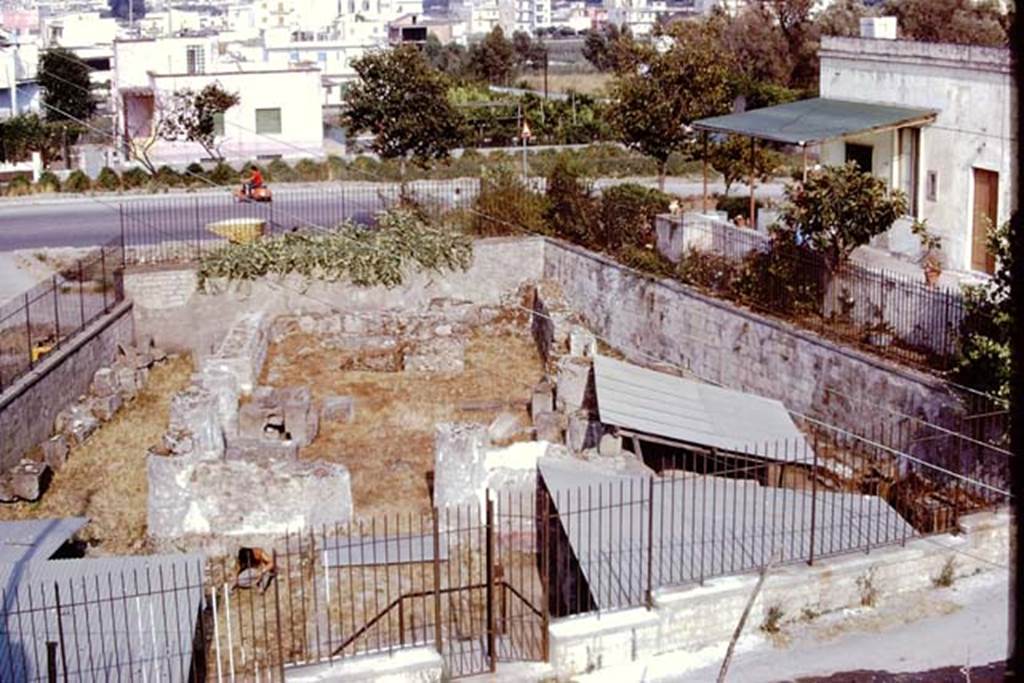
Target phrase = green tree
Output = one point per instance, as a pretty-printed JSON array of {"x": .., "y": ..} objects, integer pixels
[
  {"x": 404, "y": 102},
  {"x": 529, "y": 53},
  {"x": 67, "y": 89},
  {"x": 654, "y": 103},
  {"x": 572, "y": 211},
  {"x": 450, "y": 58},
  {"x": 26, "y": 133},
  {"x": 950, "y": 21},
  {"x": 493, "y": 59},
  {"x": 609, "y": 48},
  {"x": 192, "y": 116},
  {"x": 735, "y": 158},
  {"x": 840, "y": 208}
]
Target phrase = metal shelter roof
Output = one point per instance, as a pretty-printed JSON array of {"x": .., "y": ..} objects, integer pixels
[
  {"x": 702, "y": 526},
  {"x": 815, "y": 120},
  {"x": 122, "y": 618},
  {"x": 34, "y": 540},
  {"x": 659, "y": 404}
]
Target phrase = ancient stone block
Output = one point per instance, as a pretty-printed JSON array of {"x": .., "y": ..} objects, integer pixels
[
  {"x": 28, "y": 480},
  {"x": 194, "y": 411},
  {"x": 548, "y": 427},
  {"x": 459, "y": 459},
  {"x": 301, "y": 420},
  {"x": 582, "y": 431},
  {"x": 55, "y": 451},
  {"x": 105, "y": 407},
  {"x": 582, "y": 342},
  {"x": 223, "y": 385},
  {"x": 261, "y": 449},
  {"x": 127, "y": 382},
  {"x": 575, "y": 384},
  {"x": 338, "y": 409},
  {"x": 76, "y": 422},
  {"x": 542, "y": 399},
  {"x": 505, "y": 426},
  {"x": 443, "y": 355},
  {"x": 104, "y": 382},
  {"x": 610, "y": 445}
]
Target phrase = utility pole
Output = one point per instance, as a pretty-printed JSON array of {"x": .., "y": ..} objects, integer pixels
[
  {"x": 14, "y": 76},
  {"x": 1015, "y": 663}
]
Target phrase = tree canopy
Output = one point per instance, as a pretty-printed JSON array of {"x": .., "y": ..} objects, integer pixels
[
  {"x": 67, "y": 88},
  {"x": 404, "y": 102},
  {"x": 493, "y": 59},
  {"x": 951, "y": 21},
  {"x": 191, "y": 116}
]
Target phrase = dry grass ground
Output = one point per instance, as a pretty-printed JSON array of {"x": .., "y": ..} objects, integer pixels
[
  {"x": 105, "y": 479},
  {"x": 583, "y": 83},
  {"x": 389, "y": 447}
]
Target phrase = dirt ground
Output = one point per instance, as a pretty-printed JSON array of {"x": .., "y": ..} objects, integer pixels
[
  {"x": 389, "y": 446},
  {"x": 105, "y": 480}
]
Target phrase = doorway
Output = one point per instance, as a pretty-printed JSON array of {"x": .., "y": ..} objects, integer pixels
[{"x": 986, "y": 206}]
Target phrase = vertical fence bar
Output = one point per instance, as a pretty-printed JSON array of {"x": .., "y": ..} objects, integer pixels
[
  {"x": 650, "y": 543},
  {"x": 492, "y": 652},
  {"x": 60, "y": 632},
  {"x": 814, "y": 499},
  {"x": 28, "y": 333},
  {"x": 437, "y": 582},
  {"x": 56, "y": 313},
  {"x": 103, "y": 278}
]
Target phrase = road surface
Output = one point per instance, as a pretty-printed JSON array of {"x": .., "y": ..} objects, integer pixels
[{"x": 78, "y": 221}]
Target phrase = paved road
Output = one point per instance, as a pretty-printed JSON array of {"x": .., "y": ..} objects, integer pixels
[{"x": 34, "y": 223}]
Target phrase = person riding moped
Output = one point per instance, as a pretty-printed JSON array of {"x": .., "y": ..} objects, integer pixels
[{"x": 252, "y": 182}]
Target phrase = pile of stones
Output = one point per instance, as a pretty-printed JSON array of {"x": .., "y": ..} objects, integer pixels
[{"x": 111, "y": 388}]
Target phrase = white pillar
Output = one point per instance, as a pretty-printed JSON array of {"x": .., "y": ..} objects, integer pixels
[{"x": 13, "y": 70}]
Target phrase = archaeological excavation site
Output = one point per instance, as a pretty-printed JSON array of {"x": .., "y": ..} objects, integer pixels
[{"x": 542, "y": 460}]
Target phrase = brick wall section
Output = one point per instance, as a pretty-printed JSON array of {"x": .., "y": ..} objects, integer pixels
[
  {"x": 28, "y": 407},
  {"x": 160, "y": 288}
]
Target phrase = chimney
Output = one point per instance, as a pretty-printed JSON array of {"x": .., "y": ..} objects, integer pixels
[{"x": 878, "y": 28}]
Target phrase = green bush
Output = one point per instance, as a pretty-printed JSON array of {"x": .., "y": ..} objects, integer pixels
[
  {"x": 364, "y": 257},
  {"x": 506, "y": 206},
  {"x": 78, "y": 181},
  {"x": 195, "y": 174},
  {"x": 279, "y": 171},
  {"x": 224, "y": 174},
  {"x": 737, "y": 206},
  {"x": 647, "y": 260},
  {"x": 787, "y": 277},
  {"x": 709, "y": 270},
  {"x": 309, "y": 170},
  {"x": 19, "y": 186},
  {"x": 572, "y": 212},
  {"x": 168, "y": 177},
  {"x": 108, "y": 180},
  {"x": 337, "y": 169},
  {"x": 134, "y": 178},
  {"x": 627, "y": 215},
  {"x": 48, "y": 182}
]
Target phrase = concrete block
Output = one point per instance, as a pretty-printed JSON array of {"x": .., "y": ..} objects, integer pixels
[
  {"x": 548, "y": 427},
  {"x": 542, "y": 399},
  {"x": 459, "y": 463},
  {"x": 575, "y": 384},
  {"x": 28, "y": 479},
  {"x": 338, "y": 409},
  {"x": 582, "y": 342},
  {"x": 105, "y": 407},
  {"x": 55, "y": 451},
  {"x": 610, "y": 445},
  {"x": 505, "y": 426},
  {"x": 582, "y": 431},
  {"x": 104, "y": 382}
]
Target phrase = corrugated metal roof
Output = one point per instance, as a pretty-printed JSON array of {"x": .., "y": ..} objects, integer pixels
[
  {"x": 33, "y": 540},
  {"x": 634, "y": 398},
  {"x": 702, "y": 526},
  {"x": 815, "y": 120},
  {"x": 122, "y": 618}
]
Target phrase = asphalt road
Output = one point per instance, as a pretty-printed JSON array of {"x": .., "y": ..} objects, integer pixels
[{"x": 35, "y": 223}]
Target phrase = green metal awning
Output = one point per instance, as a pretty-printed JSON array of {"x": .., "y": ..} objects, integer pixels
[{"x": 815, "y": 120}]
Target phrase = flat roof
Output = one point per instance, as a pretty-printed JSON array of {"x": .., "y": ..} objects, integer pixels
[
  {"x": 691, "y": 412},
  {"x": 702, "y": 526},
  {"x": 816, "y": 120},
  {"x": 35, "y": 540}
]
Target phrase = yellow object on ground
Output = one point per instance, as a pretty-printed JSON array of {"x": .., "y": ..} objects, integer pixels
[
  {"x": 40, "y": 350},
  {"x": 239, "y": 230}
]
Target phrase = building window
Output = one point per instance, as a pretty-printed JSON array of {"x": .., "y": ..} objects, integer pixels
[
  {"x": 321, "y": 57},
  {"x": 862, "y": 155},
  {"x": 931, "y": 186},
  {"x": 218, "y": 124},
  {"x": 195, "y": 59},
  {"x": 268, "y": 121},
  {"x": 909, "y": 155}
]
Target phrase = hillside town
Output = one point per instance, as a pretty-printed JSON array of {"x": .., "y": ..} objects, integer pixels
[{"x": 528, "y": 340}]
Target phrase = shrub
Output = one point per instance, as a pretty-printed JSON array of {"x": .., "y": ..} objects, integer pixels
[
  {"x": 336, "y": 168},
  {"x": 571, "y": 211},
  {"x": 194, "y": 174},
  {"x": 223, "y": 174},
  {"x": 309, "y": 170},
  {"x": 506, "y": 206},
  {"x": 78, "y": 181},
  {"x": 647, "y": 260},
  {"x": 48, "y": 182},
  {"x": 134, "y": 177},
  {"x": 987, "y": 325},
  {"x": 787, "y": 277},
  {"x": 279, "y": 171},
  {"x": 773, "y": 620},
  {"x": 738, "y": 206},
  {"x": 108, "y": 180},
  {"x": 709, "y": 270},
  {"x": 18, "y": 186},
  {"x": 168, "y": 177},
  {"x": 627, "y": 215}
]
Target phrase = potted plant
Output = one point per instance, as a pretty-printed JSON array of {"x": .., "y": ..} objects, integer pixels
[{"x": 931, "y": 252}]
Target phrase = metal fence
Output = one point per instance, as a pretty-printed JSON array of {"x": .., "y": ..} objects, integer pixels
[
  {"x": 892, "y": 314},
  {"x": 46, "y": 317},
  {"x": 180, "y": 227}
]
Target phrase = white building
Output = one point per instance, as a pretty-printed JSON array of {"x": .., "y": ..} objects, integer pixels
[
  {"x": 639, "y": 15},
  {"x": 280, "y": 112},
  {"x": 79, "y": 29},
  {"x": 482, "y": 16},
  {"x": 957, "y": 170},
  {"x": 19, "y": 91}
]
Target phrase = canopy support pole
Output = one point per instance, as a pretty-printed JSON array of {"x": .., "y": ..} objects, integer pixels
[
  {"x": 704, "y": 168},
  {"x": 753, "y": 166}
]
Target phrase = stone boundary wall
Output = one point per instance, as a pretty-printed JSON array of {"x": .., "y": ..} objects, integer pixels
[
  {"x": 29, "y": 407},
  {"x": 412, "y": 665},
  {"x": 168, "y": 307},
  {"x": 691, "y": 619},
  {"x": 653, "y": 320}
]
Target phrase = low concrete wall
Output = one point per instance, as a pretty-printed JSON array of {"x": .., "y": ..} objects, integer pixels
[
  {"x": 413, "y": 665},
  {"x": 168, "y": 307},
  {"x": 691, "y": 619},
  {"x": 29, "y": 407},
  {"x": 664, "y": 321}
]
